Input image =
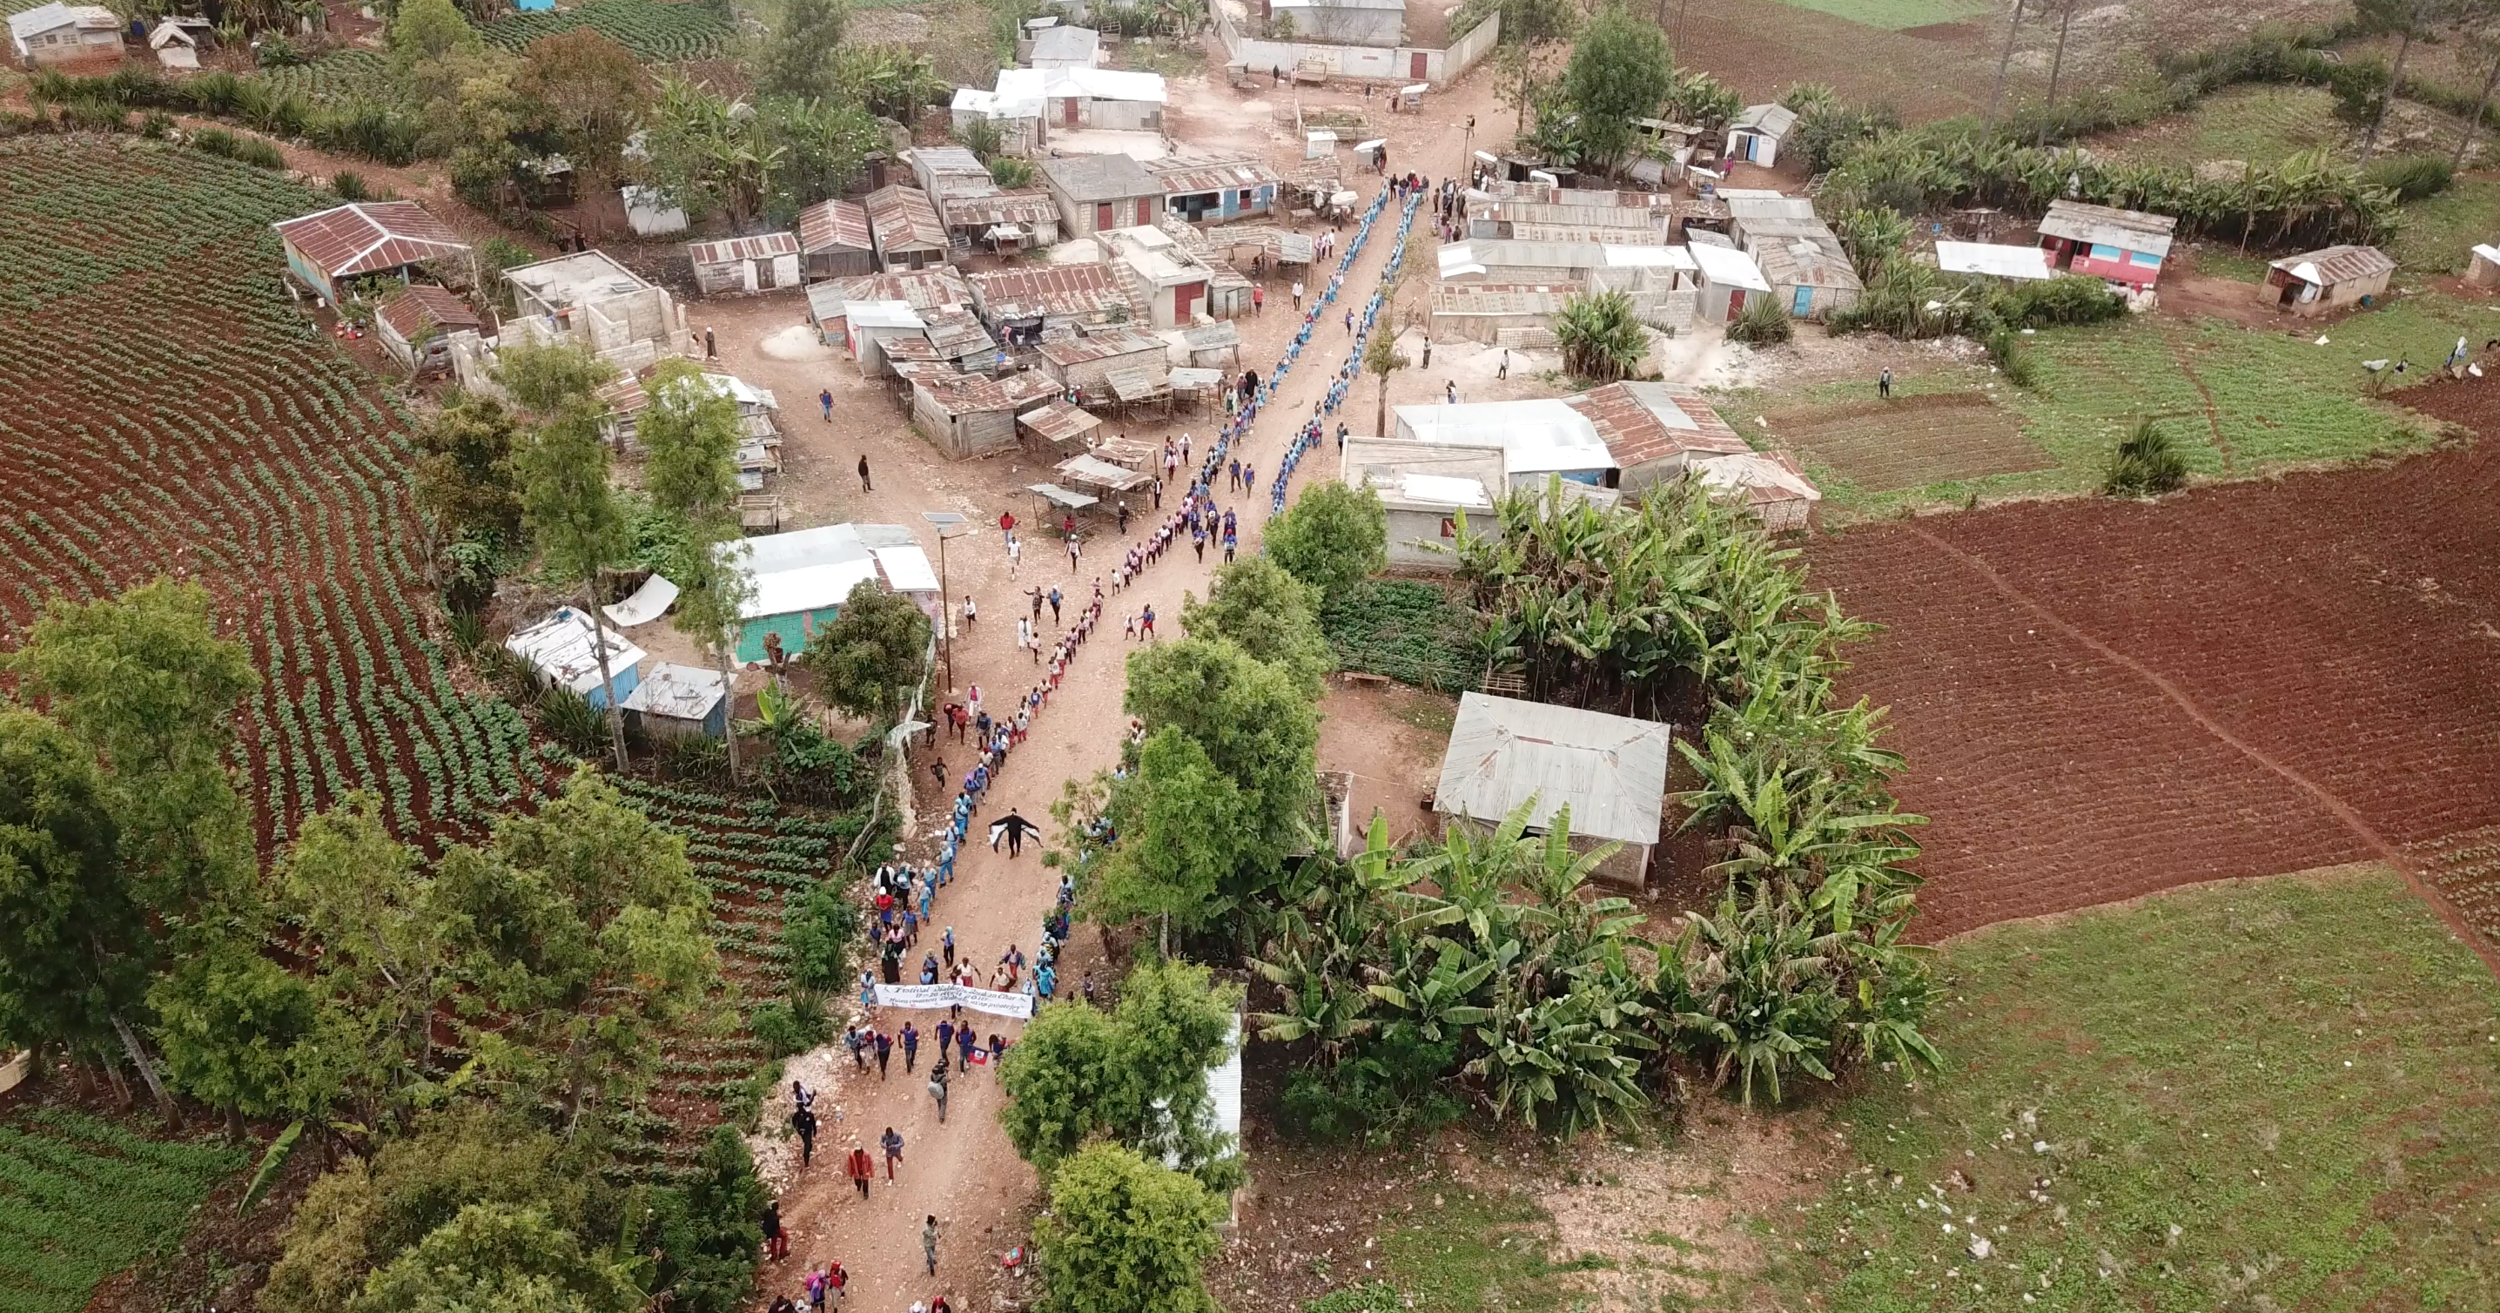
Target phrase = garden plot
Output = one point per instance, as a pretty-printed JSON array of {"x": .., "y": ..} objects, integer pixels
[
  {"x": 653, "y": 29},
  {"x": 165, "y": 411},
  {"x": 1882, "y": 446},
  {"x": 81, "y": 1199}
]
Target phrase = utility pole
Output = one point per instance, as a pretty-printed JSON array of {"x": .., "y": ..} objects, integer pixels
[{"x": 948, "y": 525}]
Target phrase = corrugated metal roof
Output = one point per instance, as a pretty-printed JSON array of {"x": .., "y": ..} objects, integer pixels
[
  {"x": 677, "y": 692},
  {"x": 726, "y": 250},
  {"x": 1539, "y": 436},
  {"x": 1098, "y": 346},
  {"x": 969, "y": 394},
  {"x": 1643, "y": 422},
  {"x": 834, "y": 225},
  {"x": 413, "y": 309},
  {"x": 1610, "y": 771},
  {"x": 1030, "y": 207},
  {"x": 1725, "y": 266},
  {"x": 903, "y": 219},
  {"x": 1499, "y": 298},
  {"x": 1994, "y": 260},
  {"x": 370, "y": 236},
  {"x": 2128, "y": 230},
  {"x": 562, "y": 648},
  {"x": 1075, "y": 290},
  {"x": 1065, "y": 43},
  {"x": 1183, "y": 175},
  {"x": 2331, "y": 265},
  {"x": 1769, "y": 120},
  {"x": 956, "y": 333},
  {"x": 1801, "y": 262},
  {"x": 1763, "y": 477},
  {"x": 1060, "y": 422}
]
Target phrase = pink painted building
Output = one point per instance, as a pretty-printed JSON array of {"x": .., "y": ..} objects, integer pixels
[{"x": 2123, "y": 246}]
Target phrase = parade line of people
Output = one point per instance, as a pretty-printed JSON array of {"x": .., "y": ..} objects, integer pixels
[{"x": 905, "y": 896}]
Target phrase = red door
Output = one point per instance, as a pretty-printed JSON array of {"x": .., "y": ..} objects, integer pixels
[
  {"x": 1145, "y": 213},
  {"x": 1415, "y": 69},
  {"x": 1069, "y": 114},
  {"x": 1102, "y": 216},
  {"x": 1735, "y": 303},
  {"x": 1184, "y": 299}
]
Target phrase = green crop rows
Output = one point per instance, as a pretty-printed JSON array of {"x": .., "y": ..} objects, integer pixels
[
  {"x": 340, "y": 75},
  {"x": 165, "y": 411},
  {"x": 652, "y": 29},
  {"x": 81, "y": 1199},
  {"x": 754, "y": 857}
]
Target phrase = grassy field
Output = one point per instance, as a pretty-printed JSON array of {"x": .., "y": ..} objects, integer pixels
[
  {"x": 1894, "y": 15},
  {"x": 81, "y": 1199},
  {"x": 2277, "y": 400},
  {"x": 2260, "y": 124},
  {"x": 2270, "y": 1095},
  {"x": 1409, "y": 631},
  {"x": 2439, "y": 232},
  {"x": 1473, "y": 1250}
]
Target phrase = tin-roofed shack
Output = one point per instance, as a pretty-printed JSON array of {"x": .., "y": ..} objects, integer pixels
[
  {"x": 414, "y": 325},
  {"x": 835, "y": 241},
  {"x": 1611, "y": 771},
  {"x": 906, "y": 228},
  {"x": 373, "y": 238},
  {"x": 2124, "y": 246},
  {"x": 1425, "y": 487},
  {"x": 1087, "y": 363},
  {"x": 1655, "y": 431},
  {"x": 2316, "y": 282},
  {"x": 1024, "y": 305},
  {"x": 745, "y": 264},
  {"x": 967, "y": 415}
]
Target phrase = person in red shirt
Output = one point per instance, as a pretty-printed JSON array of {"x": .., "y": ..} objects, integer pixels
[
  {"x": 863, "y": 1169},
  {"x": 1007, "y": 524}
]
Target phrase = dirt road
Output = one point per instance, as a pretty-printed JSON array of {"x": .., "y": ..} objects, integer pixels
[{"x": 965, "y": 1172}]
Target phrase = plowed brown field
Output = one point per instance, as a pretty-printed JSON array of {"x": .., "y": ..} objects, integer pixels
[{"x": 2102, "y": 699}]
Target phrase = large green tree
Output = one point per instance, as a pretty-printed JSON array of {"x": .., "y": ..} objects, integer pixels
[
  {"x": 1180, "y": 825},
  {"x": 580, "y": 527},
  {"x": 464, "y": 469},
  {"x": 591, "y": 93},
  {"x": 1620, "y": 69},
  {"x": 690, "y": 435},
  {"x": 1334, "y": 537},
  {"x": 798, "y": 49},
  {"x": 873, "y": 654},
  {"x": 1254, "y": 724},
  {"x": 1136, "y": 1076},
  {"x": 76, "y": 947},
  {"x": 1125, "y": 1235},
  {"x": 1271, "y": 614}
]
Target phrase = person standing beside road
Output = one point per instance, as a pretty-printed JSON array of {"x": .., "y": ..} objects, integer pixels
[
  {"x": 710, "y": 352},
  {"x": 1297, "y": 294},
  {"x": 864, "y": 485},
  {"x": 803, "y": 1121},
  {"x": 862, "y": 1170},
  {"x": 776, "y": 1241},
  {"x": 928, "y": 1242},
  {"x": 1883, "y": 384},
  {"x": 1007, "y": 525}
]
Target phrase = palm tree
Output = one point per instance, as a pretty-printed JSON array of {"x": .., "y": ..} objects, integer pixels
[{"x": 1601, "y": 336}]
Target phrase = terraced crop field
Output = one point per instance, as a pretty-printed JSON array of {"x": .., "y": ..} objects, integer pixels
[
  {"x": 339, "y": 75},
  {"x": 166, "y": 411},
  {"x": 654, "y": 29},
  {"x": 81, "y": 1199},
  {"x": 755, "y": 856}
]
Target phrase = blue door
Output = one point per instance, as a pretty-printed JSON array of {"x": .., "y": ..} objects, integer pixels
[{"x": 1803, "y": 303}]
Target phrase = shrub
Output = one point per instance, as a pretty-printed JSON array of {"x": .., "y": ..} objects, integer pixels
[
  {"x": 1331, "y": 539},
  {"x": 792, "y": 1025},
  {"x": 215, "y": 141},
  {"x": 2054, "y": 302},
  {"x": 254, "y": 151},
  {"x": 349, "y": 186},
  {"x": 819, "y": 932},
  {"x": 276, "y": 51},
  {"x": 1763, "y": 322},
  {"x": 569, "y": 719},
  {"x": 2146, "y": 465},
  {"x": 156, "y": 123},
  {"x": 94, "y": 116},
  {"x": 1011, "y": 171},
  {"x": 2012, "y": 357},
  {"x": 2411, "y": 177},
  {"x": 1600, "y": 335}
]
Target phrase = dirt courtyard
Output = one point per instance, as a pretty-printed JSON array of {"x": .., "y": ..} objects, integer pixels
[{"x": 2102, "y": 699}]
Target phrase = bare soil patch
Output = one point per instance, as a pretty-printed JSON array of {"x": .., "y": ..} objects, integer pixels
[
  {"x": 1913, "y": 441},
  {"x": 2101, "y": 699}
]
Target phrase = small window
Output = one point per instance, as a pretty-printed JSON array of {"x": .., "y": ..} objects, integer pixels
[
  {"x": 1449, "y": 526},
  {"x": 2105, "y": 251}
]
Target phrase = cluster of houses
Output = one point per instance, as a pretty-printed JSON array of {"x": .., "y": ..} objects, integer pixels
[{"x": 797, "y": 583}]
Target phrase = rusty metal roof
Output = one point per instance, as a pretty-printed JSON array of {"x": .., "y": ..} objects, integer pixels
[
  {"x": 416, "y": 308},
  {"x": 369, "y": 236},
  {"x": 1643, "y": 422},
  {"x": 1100, "y": 346},
  {"x": 1060, "y": 422},
  {"x": 834, "y": 225},
  {"x": 956, "y": 333},
  {"x": 903, "y": 219},
  {"x": 2332, "y": 265},
  {"x": 762, "y": 246},
  {"x": 1185, "y": 175},
  {"x": 1500, "y": 298},
  {"x": 1062, "y": 290},
  {"x": 1032, "y": 206},
  {"x": 971, "y": 394}
]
